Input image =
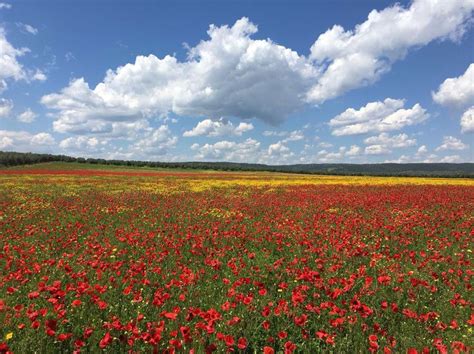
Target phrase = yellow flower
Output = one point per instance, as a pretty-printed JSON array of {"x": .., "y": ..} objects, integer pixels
[{"x": 9, "y": 336}]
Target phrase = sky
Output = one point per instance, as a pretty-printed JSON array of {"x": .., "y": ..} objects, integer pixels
[{"x": 275, "y": 82}]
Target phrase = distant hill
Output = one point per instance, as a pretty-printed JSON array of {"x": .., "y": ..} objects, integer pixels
[{"x": 9, "y": 159}]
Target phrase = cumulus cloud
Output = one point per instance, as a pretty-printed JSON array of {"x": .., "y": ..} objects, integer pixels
[
  {"x": 39, "y": 75},
  {"x": 467, "y": 121},
  {"x": 451, "y": 159},
  {"x": 156, "y": 143},
  {"x": 452, "y": 143},
  {"x": 457, "y": 92},
  {"x": 278, "y": 148},
  {"x": 359, "y": 57},
  {"x": 428, "y": 159},
  {"x": 324, "y": 145},
  {"x": 326, "y": 156},
  {"x": 81, "y": 143},
  {"x": 274, "y": 133},
  {"x": 6, "y": 107},
  {"x": 422, "y": 150},
  {"x": 221, "y": 127},
  {"x": 229, "y": 75},
  {"x": 4, "y": 5},
  {"x": 10, "y": 67},
  {"x": 293, "y": 135},
  {"x": 377, "y": 149},
  {"x": 246, "y": 151},
  {"x": 27, "y": 116},
  {"x": 377, "y": 116},
  {"x": 23, "y": 141},
  {"x": 395, "y": 141},
  {"x": 308, "y": 155},
  {"x": 233, "y": 75},
  {"x": 354, "y": 151}
]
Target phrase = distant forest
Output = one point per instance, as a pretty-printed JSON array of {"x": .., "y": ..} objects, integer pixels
[{"x": 8, "y": 159}]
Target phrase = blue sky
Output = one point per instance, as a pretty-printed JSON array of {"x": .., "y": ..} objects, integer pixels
[{"x": 273, "y": 82}]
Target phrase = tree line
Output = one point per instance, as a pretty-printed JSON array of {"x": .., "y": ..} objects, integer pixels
[{"x": 9, "y": 159}]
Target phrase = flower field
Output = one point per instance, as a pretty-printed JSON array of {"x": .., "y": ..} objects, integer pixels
[{"x": 171, "y": 261}]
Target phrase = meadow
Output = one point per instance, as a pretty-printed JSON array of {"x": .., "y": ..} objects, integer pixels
[{"x": 118, "y": 260}]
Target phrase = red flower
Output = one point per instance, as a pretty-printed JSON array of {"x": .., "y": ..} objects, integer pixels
[
  {"x": 290, "y": 347},
  {"x": 384, "y": 279},
  {"x": 105, "y": 341},
  {"x": 242, "y": 343},
  {"x": 64, "y": 336},
  {"x": 33, "y": 295},
  {"x": 301, "y": 320},
  {"x": 229, "y": 340},
  {"x": 171, "y": 315},
  {"x": 268, "y": 350},
  {"x": 4, "y": 347}
]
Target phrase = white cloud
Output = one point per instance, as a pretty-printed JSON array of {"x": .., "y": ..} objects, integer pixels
[
  {"x": 4, "y": 5},
  {"x": 452, "y": 143},
  {"x": 27, "y": 28},
  {"x": 293, "y": 135},
  {"x": 451, "y": 159},
  {"x": 457, "y": 92},
  {"x": 359, "y": 57},
  {"x": 6, "y": 107},
  {"x": 326, "y": 156},
  {"x": 422, "y": 150},
  {"x": 221, "y": 127},
  {"x": 246, "y": 151},
  {"x": 377, "y": 149},
  {"x": 42, "y": 139},
  {"x": 81, "y": 143},
  {"x": 23, "y": 141},
  {"x": 229, "y": 75},
  {"x": 432, "y": 158},
  {"x": 156, "y": 143},
  {"x": 401, "y": 159},
  {"x": 395, "y": 141},
  {"x": 274, "y": 133},
  {"x": 234, "y": 75},
  {"x": 27, "y": 116},
  {"x": 278, "y": 148},
  {"x": 467, "y": 121},
  {"x": 39, "y": 75},
  {"x": 10, "y": 67},
  {"x": 324, "y": 145},
  {"x": 377, "y": 116},
  {"x": 354, "y": 151}
]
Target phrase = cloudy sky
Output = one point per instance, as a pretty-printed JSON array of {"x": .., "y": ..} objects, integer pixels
[{"x": 247, "y": 81}]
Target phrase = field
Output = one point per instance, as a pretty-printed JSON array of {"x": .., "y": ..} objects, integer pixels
[{"x": 125, "y": 259}]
